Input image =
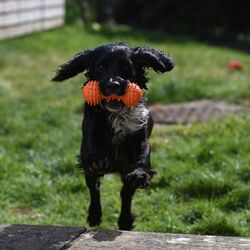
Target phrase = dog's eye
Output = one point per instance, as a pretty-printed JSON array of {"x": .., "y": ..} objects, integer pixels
[
  {"x": 125, "y": 67},
  {"x": 100, "y": 67}
]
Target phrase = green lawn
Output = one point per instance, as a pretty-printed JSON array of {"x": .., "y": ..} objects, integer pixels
[{"x": 203, "y": 177}]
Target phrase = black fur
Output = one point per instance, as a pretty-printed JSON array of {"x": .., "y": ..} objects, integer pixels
[{"x": 103, "y": 150}]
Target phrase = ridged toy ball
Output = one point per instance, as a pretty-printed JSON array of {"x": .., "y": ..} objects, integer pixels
[
  {"x": 133, "y": 95},
  {"x": 92, "y": 94}
]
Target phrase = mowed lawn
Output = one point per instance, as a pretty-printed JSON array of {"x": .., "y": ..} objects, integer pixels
[{"x": 202, "y": 185}]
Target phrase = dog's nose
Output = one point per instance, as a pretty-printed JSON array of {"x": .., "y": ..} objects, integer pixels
[{"x": 114, "y": 87}]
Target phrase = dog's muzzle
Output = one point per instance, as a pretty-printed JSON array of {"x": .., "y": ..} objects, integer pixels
[
  {"x": 113, "y": 87},
  {"x": 112, "y": 105}
]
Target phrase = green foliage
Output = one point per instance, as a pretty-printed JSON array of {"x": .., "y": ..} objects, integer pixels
[
  {"x": 72, "y": 12},
  {"x": 200, "y": 18},
  {"x": 202, "y": 185},
  {"x": 83, "y": 11}
]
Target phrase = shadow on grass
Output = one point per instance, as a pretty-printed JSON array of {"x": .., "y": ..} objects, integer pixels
[
  {"x": 215, "y": 226},
  {"x": 161, "y": 183}
]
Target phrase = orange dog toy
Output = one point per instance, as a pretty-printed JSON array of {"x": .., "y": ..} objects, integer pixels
[{"x": 92, "y": 94}]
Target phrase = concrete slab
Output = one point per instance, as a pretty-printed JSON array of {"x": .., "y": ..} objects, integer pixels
[{"x": 114, "y": 240}]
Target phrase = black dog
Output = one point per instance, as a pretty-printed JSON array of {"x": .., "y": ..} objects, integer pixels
[{"x": 115, "y": 137}]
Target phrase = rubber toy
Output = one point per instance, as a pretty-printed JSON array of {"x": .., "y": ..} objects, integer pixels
[
  {"x": 235, "y": 65},
  {"x": 92, "y": 94}
]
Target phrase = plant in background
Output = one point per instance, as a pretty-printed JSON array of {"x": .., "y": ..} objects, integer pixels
[
  {"x": 90, "y": 11},
  {"x": 80, "y": 11}
]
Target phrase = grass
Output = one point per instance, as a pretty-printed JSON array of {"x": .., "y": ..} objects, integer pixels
[{"x": 202, "y": 185}]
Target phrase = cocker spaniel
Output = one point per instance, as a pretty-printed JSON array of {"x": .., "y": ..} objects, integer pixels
[{"x": 115, "y": 137}]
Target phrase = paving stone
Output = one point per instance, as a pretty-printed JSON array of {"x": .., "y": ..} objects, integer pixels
[
  {"x": 32, "y": 237},
  {"x": 189, "y": 112}
]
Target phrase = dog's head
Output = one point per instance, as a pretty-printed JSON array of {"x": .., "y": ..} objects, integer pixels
[{"x": 114, "y": 66}]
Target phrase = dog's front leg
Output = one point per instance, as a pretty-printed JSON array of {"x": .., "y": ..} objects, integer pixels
[
  {"x": 140, "y": 171},
  {"x": 126, "y": 218},
  {"x": 96, "y": 140},
  {"x": 95, "y": 209},
  {"x": 136, "y": 175},
  {"x": 94, "y": 157}
]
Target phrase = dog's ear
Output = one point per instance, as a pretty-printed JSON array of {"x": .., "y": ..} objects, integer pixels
[
  {"x": 79, "y": 63},
  {"x": 148, "y": 57}
]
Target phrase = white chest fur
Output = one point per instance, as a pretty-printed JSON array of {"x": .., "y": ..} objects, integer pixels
[{"x": 127, "y": 121}]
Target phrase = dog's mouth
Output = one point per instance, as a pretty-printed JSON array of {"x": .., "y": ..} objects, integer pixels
[{"x": 112, "y": 105}]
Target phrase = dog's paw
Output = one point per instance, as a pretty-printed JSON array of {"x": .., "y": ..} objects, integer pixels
[
  {"x": 99, "y": 166},
  {"x": 139, "y": 178},
  {"x": 95, "y": 216},
  {"x": 125, "y": 222}
]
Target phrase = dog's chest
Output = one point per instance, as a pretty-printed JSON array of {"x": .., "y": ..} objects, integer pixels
[{"x": 127, "y": 122}]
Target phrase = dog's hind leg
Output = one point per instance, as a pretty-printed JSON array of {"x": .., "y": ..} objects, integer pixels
[
  {"x": 95, "y": 209},
  {"x": 126, "y": 218}
]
